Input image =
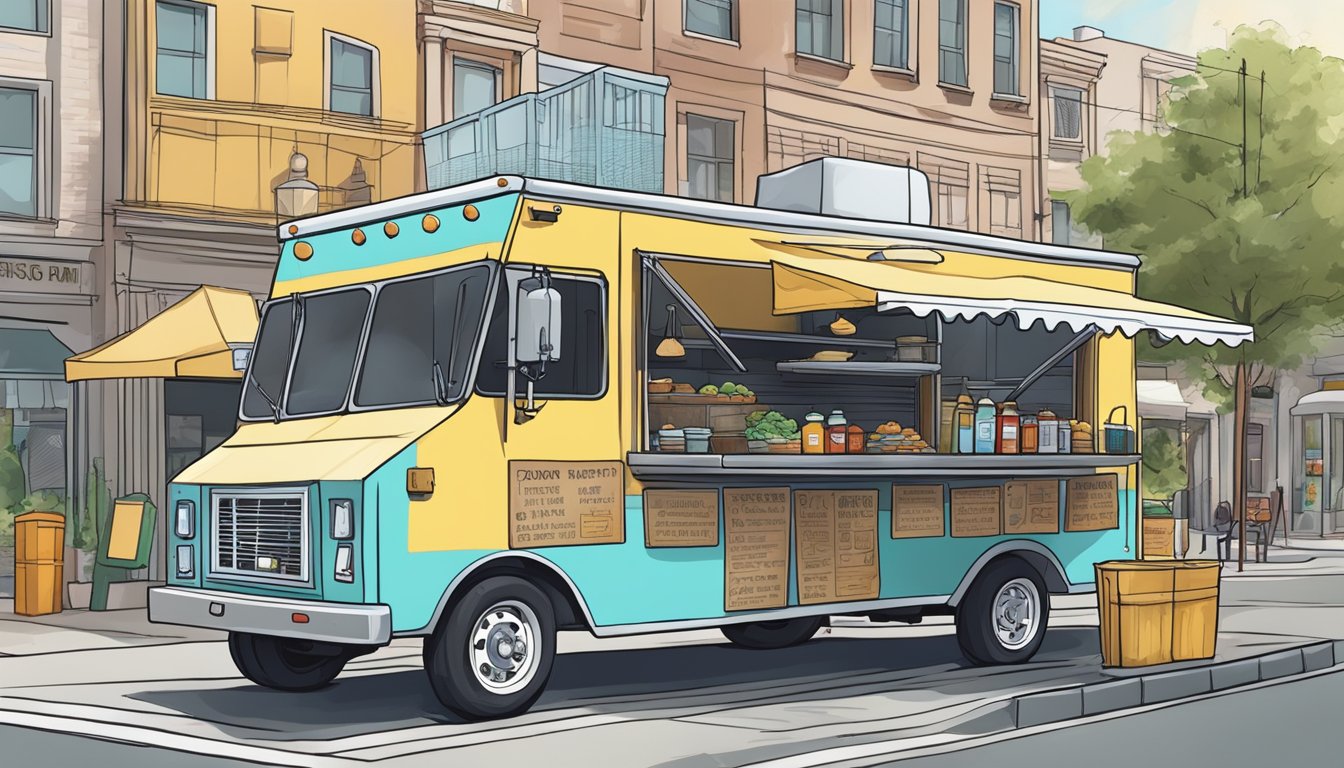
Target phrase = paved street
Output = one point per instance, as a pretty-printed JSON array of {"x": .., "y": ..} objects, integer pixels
[{"x": 683, "y": 699}]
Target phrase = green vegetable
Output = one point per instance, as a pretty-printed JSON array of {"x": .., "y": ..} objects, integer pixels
[
  {"x": 709, "y": 389},
  {"x": 727, "y": 388}
]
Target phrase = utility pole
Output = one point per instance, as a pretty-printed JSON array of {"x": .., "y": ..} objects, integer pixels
[
  {"x": 1242, "y": 401},
  {"x": 1245, "y": 189}
]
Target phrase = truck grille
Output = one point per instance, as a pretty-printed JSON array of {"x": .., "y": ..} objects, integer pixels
[{"x": 262, "y": 534}]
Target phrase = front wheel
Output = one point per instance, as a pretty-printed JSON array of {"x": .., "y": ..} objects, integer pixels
[
  {"x": 286, "y": 664},
  {"x": 492, "y": 655},
  {"x": 1002, "y": 618},
  {"x": 769, "y": 635}
]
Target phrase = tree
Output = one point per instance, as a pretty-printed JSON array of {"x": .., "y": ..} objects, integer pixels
[
  {"x": 1237, "y": 203},
  {"x": 1163, "y": 464}
]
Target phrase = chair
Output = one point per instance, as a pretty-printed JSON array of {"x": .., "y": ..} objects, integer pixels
[
  {"x": 1225, "y": 526},
  {"x": 1265, "y": 532}
]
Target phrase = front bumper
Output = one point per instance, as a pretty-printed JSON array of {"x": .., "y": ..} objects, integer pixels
[{"x": 357, "y": 624}]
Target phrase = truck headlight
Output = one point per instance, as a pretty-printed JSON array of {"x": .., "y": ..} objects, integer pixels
[
  {"x": 185, "y": 526},
  {"x": 186, "y": 557},
  {"x": 342, "y": 519},
  {"x": 345, "y": 563}
]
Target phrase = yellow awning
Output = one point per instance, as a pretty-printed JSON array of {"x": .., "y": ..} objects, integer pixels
[
  {"x": 193, "y": 338},
  {"x": 804, "y": 284}
]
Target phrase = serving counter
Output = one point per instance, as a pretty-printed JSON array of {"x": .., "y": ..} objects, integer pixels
[{"x": 681, "y": 466}]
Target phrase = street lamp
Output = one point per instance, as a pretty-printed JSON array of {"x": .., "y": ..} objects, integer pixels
[{"x": 296, "y": 196}]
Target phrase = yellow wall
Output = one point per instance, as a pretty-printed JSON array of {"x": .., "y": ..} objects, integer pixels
[{"x": 229, "y": 152}]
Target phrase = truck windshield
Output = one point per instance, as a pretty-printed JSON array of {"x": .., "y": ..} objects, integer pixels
[
  {"x": 422, "y": 339},
  {"x": 420, "y": 343}
]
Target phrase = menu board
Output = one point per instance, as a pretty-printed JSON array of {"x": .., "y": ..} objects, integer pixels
[
  {"x": 756, "y": 548},
  {"x": 977, "y": 511},
  {"x": 565, "y": 503},
  {"x": 836, "y": 539},
  {"x": 1159, "y": 534},
  {"x": 1091, "y": 503},
  {"x": 681, "y": 518},
  {"x": 917, "y": 511},
  {"x": 1031, "y": 506}
]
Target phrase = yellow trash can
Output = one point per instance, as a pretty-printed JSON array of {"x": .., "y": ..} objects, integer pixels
[
  {"x": 1157, "y": 612},
  {"x": 39, "y": 560}
]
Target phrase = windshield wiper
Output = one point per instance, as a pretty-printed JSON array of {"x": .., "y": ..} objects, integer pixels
[
  {"x": 442, "y": 386},
  {"x": 275, "y": 407}
]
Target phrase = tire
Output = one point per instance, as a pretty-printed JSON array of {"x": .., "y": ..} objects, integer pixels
[
  {"x": 1002, "y": 618},
  {"x": 473, "y": 658},
  {"x": 769, "y": 635},
  {"x": 286, "y": 664}
]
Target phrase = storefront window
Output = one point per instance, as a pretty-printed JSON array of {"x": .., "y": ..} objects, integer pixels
[
  {"x": 32, "y": 445},
  {"x": 1255, "y": 458}
]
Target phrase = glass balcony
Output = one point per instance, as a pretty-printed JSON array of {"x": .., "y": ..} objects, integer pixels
[{"x": 603, "y": 128}]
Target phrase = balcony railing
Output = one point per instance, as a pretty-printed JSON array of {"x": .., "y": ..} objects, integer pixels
[{"x": 604, "y": 128}]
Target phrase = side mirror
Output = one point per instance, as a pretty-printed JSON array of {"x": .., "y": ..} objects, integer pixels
[
  {"x": 538, "y": 322},
  {"x": 241, "y": 357}
]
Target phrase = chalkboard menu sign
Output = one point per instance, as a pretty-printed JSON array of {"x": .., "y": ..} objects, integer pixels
[
  {"x": 566, "y": 503},
  {"x": 756, "y": 548}
]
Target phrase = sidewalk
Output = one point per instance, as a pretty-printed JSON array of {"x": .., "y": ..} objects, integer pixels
[{"x": 83, "y": 630}]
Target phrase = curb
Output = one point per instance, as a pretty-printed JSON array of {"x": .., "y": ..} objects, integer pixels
[{"x": 1139, "y": 690}]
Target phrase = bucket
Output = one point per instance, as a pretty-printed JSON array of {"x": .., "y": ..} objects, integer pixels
[{"x": 1119, "y": 436}]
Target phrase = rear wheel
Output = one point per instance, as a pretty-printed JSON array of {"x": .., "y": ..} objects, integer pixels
[
  {"x": 493, "y": 653},
  {"x": 1002, "y": 618},
  {"x": 768, "y": 635},
  {"x": 287, "y": 664}
]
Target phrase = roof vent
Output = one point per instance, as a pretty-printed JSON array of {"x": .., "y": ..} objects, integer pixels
[
  {"x": 1083, "y": 34},
  {"x": 857, "y": 189}
]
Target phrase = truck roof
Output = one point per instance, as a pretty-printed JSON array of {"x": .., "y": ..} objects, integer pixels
[{"x": 702, "y": 210}]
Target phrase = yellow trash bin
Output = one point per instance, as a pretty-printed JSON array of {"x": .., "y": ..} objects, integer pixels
[
  {"x": 39, "y": 559},
  {"x": 1157, "y": 612}
]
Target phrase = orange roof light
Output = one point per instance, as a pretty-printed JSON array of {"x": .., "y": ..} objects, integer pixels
[
  {"x": 293, "y": 229},
  {"x": 391, "y": 229},
  {"x": 430, "y": 222},
  {"x": 503, "y": 182},
  {"x": 357, "y": 237},
  {"x": 303, "y": 251},
  {"x": 471, "y": 213}
]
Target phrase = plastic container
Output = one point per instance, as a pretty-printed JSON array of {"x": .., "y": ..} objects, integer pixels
[
  {"x": 1047, "y": 440},
  {"x": 1009, "y": 429},
  {"x": 1065, "y": 436},
  {"x": 854, "y": 439},
  {"x": 697, "y": 439},
  {"x": 837, "y": 432},
  {"x": 728, "y": 443},
  {"x": 963, "y": 419},
  {"x": 984, "y": 426},
  {"x": 672, "y": 440},
  {"x": 1118, "y": 436},
  {"x": 814, "y": 433},
  {"x": 1031, "y": 434}
]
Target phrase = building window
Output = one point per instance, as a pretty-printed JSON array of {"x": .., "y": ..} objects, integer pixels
[
  {"x": 1005, "y": 49},
  {"x": 352, "y": 75},
  {"x": 820, "y": 27},
  {"x": 475, "y": 87},
  {"x": 18, "y": 152},
  {"x": 1255, "y": 453},
  {"x": 1068, "y": 113},
  {"x": 714, "y": 18},
  {"x": 952, "y": 42},
  {"x": 183, "y": 66},
  {"x": 890, "y": 46},
  {"x": 1061, "y": 222},
  {"x": 30, "y": 15},
  {"x": 709, "y": 158}
]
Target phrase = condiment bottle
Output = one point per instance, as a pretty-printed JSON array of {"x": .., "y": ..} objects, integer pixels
[
  {"x": 1065, "y": 436},
  {"x": 855, "y": 439},
  {"x": 963, "y": 426},
  {"x": 1008, "y": 427},
  {"x": 1048, "y": 442},
  {"x": 984, "y": 426},
  {"x": 837, "y": 432},
  {"x": 814, "y": 433},
  {"x": 1030, "y": 434}
]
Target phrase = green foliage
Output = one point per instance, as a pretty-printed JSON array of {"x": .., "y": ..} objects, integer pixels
[
  {"x": 1265, "y": 254},
  {"x": 83, "y": 533},
  {"x": 12, "y": 484},
  {"x": 1164, "y": 470}
]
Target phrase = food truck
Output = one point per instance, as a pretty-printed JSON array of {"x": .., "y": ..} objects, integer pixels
[{"x": 484, "y": 414}]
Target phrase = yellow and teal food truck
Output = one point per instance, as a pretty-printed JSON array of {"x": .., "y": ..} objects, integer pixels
[{"x": 484, "y": 414}]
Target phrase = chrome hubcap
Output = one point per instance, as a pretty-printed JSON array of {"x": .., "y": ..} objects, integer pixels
[
  {"x": 505, "y": 646},
  {"x": 1017, "y": 610}
]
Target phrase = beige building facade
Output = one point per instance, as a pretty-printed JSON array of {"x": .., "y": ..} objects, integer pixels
[
  {"x": 51, "y": 157},
  {"x": 1070, "y": 131},
  {"x": 950, "y": 88}
]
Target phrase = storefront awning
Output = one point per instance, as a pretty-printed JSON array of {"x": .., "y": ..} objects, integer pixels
[
  {"x": 1317, "y": 403},
  {"x": 31, "y": 353},
  {"x": 1161, "y": 399},
  {"x": 193, "y": 338},
  {"x": 804, "y": 284}
]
